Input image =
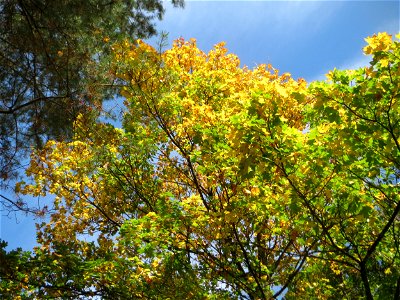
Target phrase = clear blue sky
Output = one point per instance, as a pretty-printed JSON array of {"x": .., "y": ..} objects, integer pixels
[{"x": 304, "y": 38}]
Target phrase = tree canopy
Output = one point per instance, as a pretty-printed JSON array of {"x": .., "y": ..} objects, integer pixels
[
  {"x": 53, "y": 66},
  {"x": 223, "y": 183}
]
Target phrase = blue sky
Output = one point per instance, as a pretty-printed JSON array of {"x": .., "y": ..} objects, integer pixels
[{"x": 304, "y": 38}]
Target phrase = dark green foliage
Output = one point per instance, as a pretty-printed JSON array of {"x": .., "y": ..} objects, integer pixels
[{"x": 49, "y": 52}]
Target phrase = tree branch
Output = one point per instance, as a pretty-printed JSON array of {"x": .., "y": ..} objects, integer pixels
[{"x": 12, "y": 110}]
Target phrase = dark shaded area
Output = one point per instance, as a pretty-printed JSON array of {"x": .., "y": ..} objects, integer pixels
[{"x": 52, "y": 67}]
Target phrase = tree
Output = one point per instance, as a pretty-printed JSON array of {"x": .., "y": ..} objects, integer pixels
[
  {"x": 50, "y": 52},
  {"x": 227, "y": 182},
  {"x": 354, "y": 129}
]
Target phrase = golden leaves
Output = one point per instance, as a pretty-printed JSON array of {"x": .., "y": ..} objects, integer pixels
[
  {"x": 216, "y": 162},
  {"x": 378, "y": 42}
]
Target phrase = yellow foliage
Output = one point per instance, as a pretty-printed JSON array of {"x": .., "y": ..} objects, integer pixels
[
  {"x": 216, "y": 166},
  {"x": 378, "y": 42}
]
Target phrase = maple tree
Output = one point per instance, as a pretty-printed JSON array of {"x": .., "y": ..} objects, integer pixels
[
  {"x": 352, "y": 191},
  {"x": 225, "y": 182}
]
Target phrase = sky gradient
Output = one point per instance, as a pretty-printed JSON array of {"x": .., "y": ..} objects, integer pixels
[{"x": 304, "y": 38}]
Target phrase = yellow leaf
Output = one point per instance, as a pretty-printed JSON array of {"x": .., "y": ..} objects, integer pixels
[{"x": 384, "y": 62}]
